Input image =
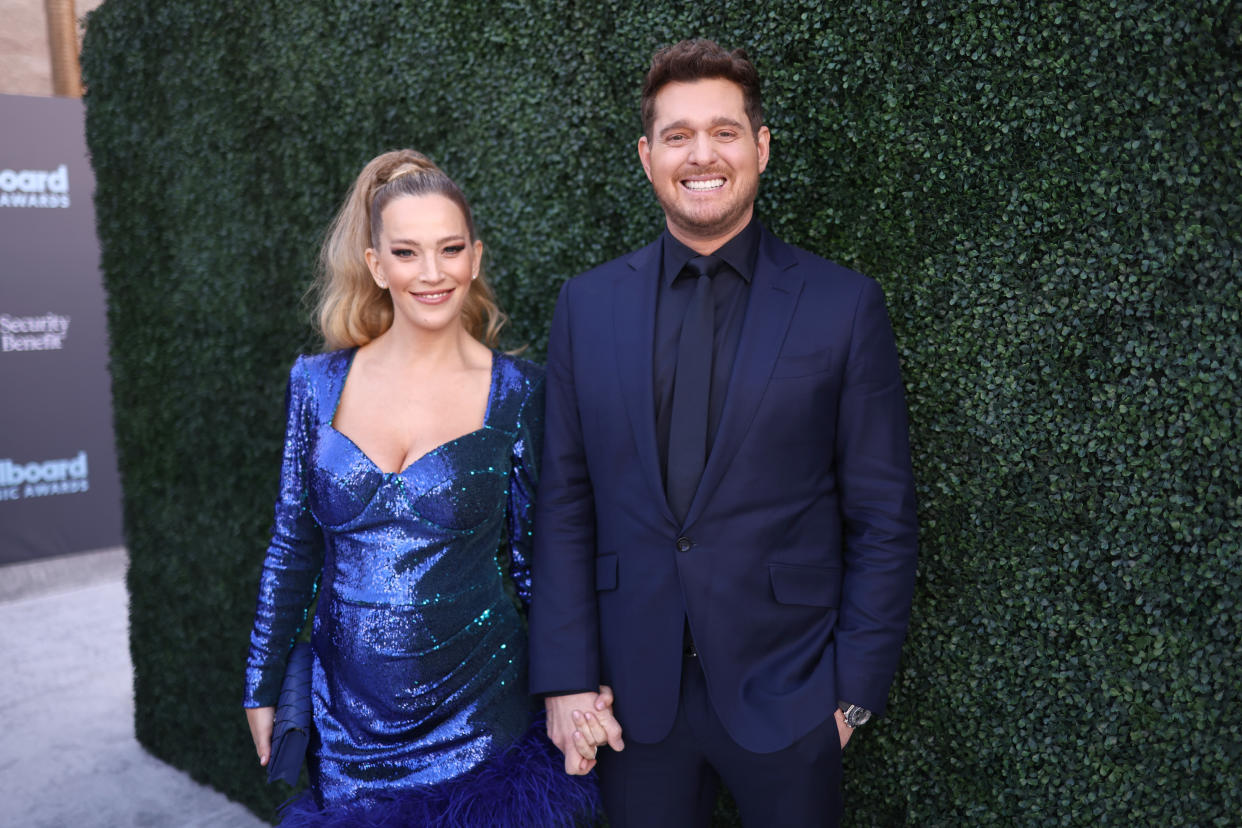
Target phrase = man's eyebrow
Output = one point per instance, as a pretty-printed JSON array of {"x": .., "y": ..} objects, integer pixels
[{"x": 716, "y": 122}]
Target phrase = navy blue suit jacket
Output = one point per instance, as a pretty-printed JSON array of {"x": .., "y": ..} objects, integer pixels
[{"x": 795, "y": 563}]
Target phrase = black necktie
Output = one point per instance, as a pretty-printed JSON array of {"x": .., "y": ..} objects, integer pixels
[{"x": 687, "y": 434}]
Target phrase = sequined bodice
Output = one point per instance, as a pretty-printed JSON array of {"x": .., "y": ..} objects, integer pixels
[
  {"x": 420, "y": 647},
  {"x": 372, "y": 556}
]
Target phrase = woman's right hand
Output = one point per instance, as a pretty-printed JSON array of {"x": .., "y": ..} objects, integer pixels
[{"x": 261, "y": 720}]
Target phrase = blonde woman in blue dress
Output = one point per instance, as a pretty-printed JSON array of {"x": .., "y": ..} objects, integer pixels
[{"x": 408, "y": 476}]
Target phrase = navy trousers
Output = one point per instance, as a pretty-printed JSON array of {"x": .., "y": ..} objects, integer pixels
[{"x": 674, "y": 783}]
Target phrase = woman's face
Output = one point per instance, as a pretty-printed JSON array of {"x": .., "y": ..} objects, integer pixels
[{"x": 425, "y": 259}]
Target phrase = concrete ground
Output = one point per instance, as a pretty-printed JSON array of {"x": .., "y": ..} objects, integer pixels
[{"x": 68, "y": 756}]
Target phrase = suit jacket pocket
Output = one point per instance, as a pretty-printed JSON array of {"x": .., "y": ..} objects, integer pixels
[
  {"x": 802, "y": 365},
  {"x": 606, "y": 572},
  {"x": 815, "y": 586}
]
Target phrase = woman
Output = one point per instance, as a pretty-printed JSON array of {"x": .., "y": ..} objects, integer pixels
[{"x": 406, "y": 501}]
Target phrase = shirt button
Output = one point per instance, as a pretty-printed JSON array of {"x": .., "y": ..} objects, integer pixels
[{"x": 684, "y": 544}]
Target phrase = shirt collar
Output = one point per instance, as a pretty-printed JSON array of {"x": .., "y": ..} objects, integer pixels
[{"x": 739, "y": 252}]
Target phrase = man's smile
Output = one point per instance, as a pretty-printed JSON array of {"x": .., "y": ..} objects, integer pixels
[{"x": 703, "y": 185}]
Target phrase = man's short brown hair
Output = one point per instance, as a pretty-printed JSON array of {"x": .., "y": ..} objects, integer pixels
[{"x": 701, "y": 59}]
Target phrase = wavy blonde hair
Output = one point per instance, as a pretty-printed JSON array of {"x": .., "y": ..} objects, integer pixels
[{"x": 351, "y": 310}]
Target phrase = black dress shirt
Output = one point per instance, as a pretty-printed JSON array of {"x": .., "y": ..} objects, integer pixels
[{"x": 731, "y": 292}]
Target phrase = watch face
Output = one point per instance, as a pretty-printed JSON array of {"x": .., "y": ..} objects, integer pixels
[{"x": 856, "y": 716}]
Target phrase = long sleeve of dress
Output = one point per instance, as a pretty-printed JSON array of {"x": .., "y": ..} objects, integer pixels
[
  {"x": 523, "y": 481},
  {"x": 294, "y": 559}
]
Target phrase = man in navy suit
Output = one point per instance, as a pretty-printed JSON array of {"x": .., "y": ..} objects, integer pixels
[{"x": 725, "y": 528}]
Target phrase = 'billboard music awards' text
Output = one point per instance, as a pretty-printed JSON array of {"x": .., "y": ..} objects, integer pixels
[
  {"x": 40, "y": 479},
  {"x": 35, "y": 188}
]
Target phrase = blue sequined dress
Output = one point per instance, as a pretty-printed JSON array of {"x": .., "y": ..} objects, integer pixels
[{"x": 419, "y": 682}]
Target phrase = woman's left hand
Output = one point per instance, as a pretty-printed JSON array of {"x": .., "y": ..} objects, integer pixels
[{"x": 595, "y": 728}]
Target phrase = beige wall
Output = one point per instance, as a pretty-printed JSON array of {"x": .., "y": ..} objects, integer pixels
[{"x": 25, "y": 58}]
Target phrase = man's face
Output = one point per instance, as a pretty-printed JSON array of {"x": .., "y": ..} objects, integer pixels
[{"x": 703, "y": 160}]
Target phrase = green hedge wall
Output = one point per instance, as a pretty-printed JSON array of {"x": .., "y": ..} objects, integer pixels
[{"x": 1048, "y": 192}]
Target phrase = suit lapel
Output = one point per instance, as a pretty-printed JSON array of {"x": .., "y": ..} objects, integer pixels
[
  {"x": 773, "y": 296},
  {"x": 634, "y": 301}
]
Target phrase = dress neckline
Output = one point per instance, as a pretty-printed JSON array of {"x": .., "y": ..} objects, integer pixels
[{"x": 492, "y": 387}]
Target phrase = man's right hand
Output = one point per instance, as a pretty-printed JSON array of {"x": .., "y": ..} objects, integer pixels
[{"x": 579, "y": 724}]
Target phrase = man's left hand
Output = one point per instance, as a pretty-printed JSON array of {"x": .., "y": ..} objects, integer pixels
[{"x": 843, "y": 730}]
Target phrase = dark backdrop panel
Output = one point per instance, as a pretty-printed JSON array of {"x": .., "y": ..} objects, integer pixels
[{"x": 58, "y": 482}]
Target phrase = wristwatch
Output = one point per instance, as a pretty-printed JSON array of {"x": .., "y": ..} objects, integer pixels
[{"x": 854, "y": 715}]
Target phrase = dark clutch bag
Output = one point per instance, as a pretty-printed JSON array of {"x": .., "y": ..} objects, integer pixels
[{"x": 291, "y": 732}]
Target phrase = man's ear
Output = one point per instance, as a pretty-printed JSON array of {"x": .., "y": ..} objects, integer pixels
[
  {"x": 644, "y": 155},
  {"x": 763, "y": 138}
]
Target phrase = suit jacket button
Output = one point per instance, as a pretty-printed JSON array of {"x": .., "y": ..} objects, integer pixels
[{"x": 684, "y": 544}]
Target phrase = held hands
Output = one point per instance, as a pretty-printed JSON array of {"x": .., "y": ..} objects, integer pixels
[
  {"x": 579, "y": 724},
  {"x": 261, "y": 720}
]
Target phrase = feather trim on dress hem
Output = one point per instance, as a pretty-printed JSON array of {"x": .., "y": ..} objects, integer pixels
[{"x": 524, "y": 787}]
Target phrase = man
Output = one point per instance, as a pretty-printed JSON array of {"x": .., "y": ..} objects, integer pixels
[{"x": 725, "y": 528}]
